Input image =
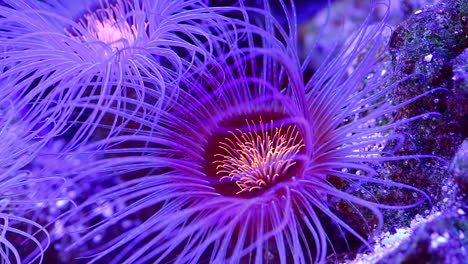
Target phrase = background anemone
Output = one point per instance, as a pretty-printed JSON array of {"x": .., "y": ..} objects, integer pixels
[
  {"x": 217, "y": 178},
  {"x": 64, "y": 69},
  {"x": 23, "y": 196},
  {"x": 22, "y": 193},
  {"x": 22, "y": 240}
]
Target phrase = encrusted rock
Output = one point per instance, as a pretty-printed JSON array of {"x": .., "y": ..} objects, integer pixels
[
  {"x": 428, "y": 55},
  {"x": 459, "y": 169},
  {"x": 443, "y": 240}
]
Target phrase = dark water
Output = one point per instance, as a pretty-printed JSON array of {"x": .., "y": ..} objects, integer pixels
[{"x": 305, "y": 8}]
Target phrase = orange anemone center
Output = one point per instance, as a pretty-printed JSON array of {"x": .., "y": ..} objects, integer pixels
[{"x": 252, "y": 158}]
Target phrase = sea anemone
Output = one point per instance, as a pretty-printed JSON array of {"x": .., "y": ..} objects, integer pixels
[
  {"x": 63, "y": 65},
  {"x": 22, "y": 238},
  {"x": 246, "y": 165}
]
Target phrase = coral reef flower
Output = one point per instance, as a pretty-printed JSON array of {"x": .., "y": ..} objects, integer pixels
[
  {"x": 64, "y": 65},
  {"x": 246, "y": 165}
]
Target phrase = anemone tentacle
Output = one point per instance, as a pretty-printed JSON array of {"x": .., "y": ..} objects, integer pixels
[
  {"x": 22, "y": 238},
  {"x": 178, "y": 164},
  {"x": 100, "y": 54}
]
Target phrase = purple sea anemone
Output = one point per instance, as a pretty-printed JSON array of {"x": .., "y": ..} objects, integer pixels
[
  {"x": 20, "y": 237},
  {"x": 247, "y": 163},
  {"x": 22, "y": 196},
  {"x": 22, "y": 193},
  {"x": 63, "y": 64}
]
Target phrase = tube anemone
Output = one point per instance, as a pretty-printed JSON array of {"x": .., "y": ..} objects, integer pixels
[
  {"x": 59, "y": 64},
  {"x": 20, "y": 237},
  {"x": 24, "y": 239},
  {"x": 244, "y": 167}
]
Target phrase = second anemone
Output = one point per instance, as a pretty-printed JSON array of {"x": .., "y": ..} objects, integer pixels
[{"x": 63, "y": 64}]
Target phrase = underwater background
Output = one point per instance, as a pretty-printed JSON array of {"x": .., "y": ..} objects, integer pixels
[{"x": 259, "y": 131}]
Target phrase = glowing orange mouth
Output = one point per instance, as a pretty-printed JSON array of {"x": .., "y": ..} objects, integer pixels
[{"x": 259, "y": 158}]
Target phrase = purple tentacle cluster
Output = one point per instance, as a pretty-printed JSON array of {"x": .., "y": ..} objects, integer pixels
[{"x": 180, "y": 131}]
